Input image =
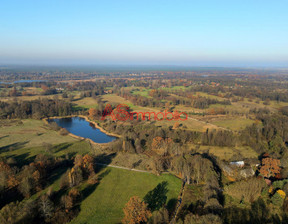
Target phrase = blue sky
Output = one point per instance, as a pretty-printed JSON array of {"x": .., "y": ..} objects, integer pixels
[{"x": 162, "y": 32}]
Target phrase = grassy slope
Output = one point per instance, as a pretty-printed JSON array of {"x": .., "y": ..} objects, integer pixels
[
  {"x": 29, "y": 134},
  {"x": 105, "y": 203},
  {"x": 114, "y": 99},
  {"x": 229, "y": 153},
  {"x": 24, "y": 141},
  {"x": 234, "y": 124},
  {"x": 86, "y": 103}
]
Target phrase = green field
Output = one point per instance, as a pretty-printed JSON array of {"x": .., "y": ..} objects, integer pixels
[
  {"x": 115, "y": 100},
  {"x": 101, "y": 203},
  {"x": 85, "y": 103},
  {"x": 23, "y": 140},
  {"x": 104, "y": 204},
  {"x": 228, "y": 153},
  {"x": 28, "y": 133},
  {"x": 142, "y": 92},
  {"x": 233, "y": 124}
]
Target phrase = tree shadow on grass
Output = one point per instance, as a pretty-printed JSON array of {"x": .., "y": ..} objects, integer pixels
[
  {"x": 87, "y": 191},
  {"x": 22, "y": 159},
  {"x": 56, "y": 174},
  {"x": 91, "y": 187},
  {"x": 171, "y": 205},
  {"x": 157, "y": 197},
  {"x": 4, "y": 136},
  {"x": 11, "y": 195},
  {"x": 61, "y": 147},
  {"x": 13, "y": 146},
  {"x": 87, "y": 188},
  {"x": 101, "y": 161},
  {"x": 105, "y": 158}
]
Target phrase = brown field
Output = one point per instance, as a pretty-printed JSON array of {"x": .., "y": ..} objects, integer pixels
[{"x": 228, "y": 153}]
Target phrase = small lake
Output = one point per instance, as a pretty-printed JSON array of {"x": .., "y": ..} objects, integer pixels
[
  {"x": 24, "y": 81},
  {"x": 80, "y": 127}
]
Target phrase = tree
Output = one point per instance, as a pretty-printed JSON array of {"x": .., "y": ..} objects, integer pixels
[
  {"x": 176, "y": 125},
  {"x": 7, "y": 176},
  {"x": 92, "y": 113},
  {"x": 75, "y": 176},
  {"x": 136, "y": 211},
  {"x": 18, "y": 212},
  {"x": 9, "y": 213},
  {"x": 243, "y": 191},
  {"x": 26, "y": 186},
  {"x": 74, "y": 193},
  {"x": 270, "y": 167},
  {"x": 161, "y": 145},
  {"x": 161, "y": 216},
  {"x": 46, "y": 207},
  {"x": 195, "y": 219},
  {"x": 67, "y": 202},
  {"x": 78, "y": 161},
  {"x": 277, "y": 199},
  {"x": 88, "y": 165}
]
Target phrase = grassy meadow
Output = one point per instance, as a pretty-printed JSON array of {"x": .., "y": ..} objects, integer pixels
[
  {"x": 24, "y": 139},
  {"x": 105, "y": 202},
  {"x": 233, "y": 124},
  {"x": 228, "y": 153},
  {"x": 102, "y": 202},
  {"x": 28, "y": 133}
]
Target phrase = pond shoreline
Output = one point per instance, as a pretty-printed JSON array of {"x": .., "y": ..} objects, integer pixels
[{"x": 88, "y": 120}]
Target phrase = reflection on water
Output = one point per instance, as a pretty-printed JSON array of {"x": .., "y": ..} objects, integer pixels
[{"x": 80, "y": 127}]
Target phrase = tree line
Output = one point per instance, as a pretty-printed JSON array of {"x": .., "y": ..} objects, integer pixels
[{"x": 36, "y": 109}]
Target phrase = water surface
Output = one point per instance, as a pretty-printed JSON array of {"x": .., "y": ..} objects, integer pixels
[
  {"x": 80, "y": 127},
  {"x": 24, "y": 81}
]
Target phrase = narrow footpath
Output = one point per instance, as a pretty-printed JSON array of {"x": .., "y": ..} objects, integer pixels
[
  {"x": 180, "y": 199},
  {"x": 123, "y": 168}
]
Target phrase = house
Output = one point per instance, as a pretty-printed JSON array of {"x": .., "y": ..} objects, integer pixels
[{"x": 237, "y": 163}]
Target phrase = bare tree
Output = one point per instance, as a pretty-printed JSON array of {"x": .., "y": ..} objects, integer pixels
[{"x": 46, "y": 207}]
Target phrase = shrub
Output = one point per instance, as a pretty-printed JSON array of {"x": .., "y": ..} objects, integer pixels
[
  {"x": 243, "y": 190},
  {"x": 63, "y": 131},
  {"x": 277, "y": 199}
]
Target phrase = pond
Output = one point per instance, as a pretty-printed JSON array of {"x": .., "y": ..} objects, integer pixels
[{"x": 80, "y": 127}]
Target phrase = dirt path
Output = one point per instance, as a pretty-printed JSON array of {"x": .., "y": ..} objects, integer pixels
[
  {"x": 180, "y": 199},
  {"x": 194, "y": 119},
  {"x": 123, "y": 168}
]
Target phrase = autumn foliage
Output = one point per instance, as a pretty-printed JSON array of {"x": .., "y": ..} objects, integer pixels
[
  {"x": 92, "y": 113},
  {"x": 270, "y": 167},
  {"x": 176, "y": 125},
  {"x": 160, "y": 145},
  {"x": 136, "y": 211},
  {"x": 7, "y": 175}
]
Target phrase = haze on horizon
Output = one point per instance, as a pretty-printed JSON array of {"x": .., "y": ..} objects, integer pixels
[{"x": 164, "y": 32}]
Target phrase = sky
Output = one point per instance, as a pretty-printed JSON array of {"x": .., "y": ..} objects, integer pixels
[{"x": 236, "y": 33}]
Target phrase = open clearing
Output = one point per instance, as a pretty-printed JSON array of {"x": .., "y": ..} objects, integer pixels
[
  {"x": 228, "y": 153},
  {"x": 233, "y": 124},
  {"x": 86, "y": 103},
  {"x": 114, "y": 99},
  {"x": 29, "y": 133},
  {"x": 105, "y": 202}
]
